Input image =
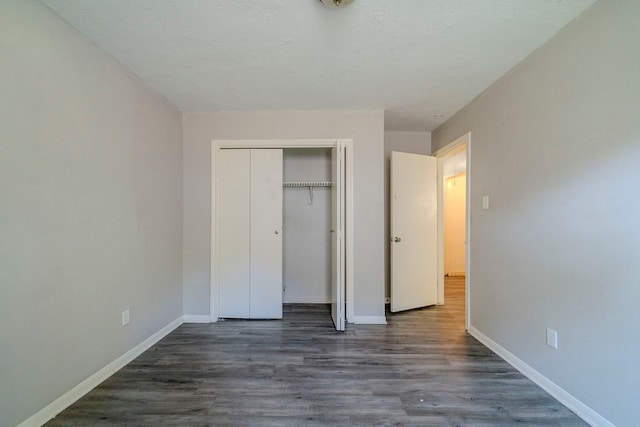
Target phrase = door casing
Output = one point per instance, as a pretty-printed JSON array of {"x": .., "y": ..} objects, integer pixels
[{"x": 347, "y": 144}]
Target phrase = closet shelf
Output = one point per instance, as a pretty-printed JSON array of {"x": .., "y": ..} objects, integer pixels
[{"x": 307, "y": 184}]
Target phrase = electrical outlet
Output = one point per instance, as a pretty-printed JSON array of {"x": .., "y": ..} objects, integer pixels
[
  {"x": 125, "y": 317},
  {"x": 552, "y": 338}
]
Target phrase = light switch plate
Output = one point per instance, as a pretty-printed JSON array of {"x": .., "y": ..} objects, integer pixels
[{"x": 485, "y": 202}]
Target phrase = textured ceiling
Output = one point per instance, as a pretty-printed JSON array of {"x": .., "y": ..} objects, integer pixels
[{"x": 412, "y": 58}]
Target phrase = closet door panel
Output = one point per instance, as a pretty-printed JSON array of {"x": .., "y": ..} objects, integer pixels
[
  {"x": 234, "y": 251},
  {"x": 266, "y": 233}
]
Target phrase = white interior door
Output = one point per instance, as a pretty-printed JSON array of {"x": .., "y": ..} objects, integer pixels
[
  {"x": 234, "y": 240},
  {"x": 414, "y": 227},
  {"x": 266, "y": 234},
  {"x": 337, "y": 237}
]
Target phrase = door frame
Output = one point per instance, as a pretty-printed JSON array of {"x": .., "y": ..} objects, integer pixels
[
  {"x": 441, "y": 154},
  {"x": 347, "y": 207}
]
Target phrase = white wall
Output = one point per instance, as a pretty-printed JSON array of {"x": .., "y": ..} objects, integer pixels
[
  {"x": 555, "y": 143},
  {"x": 307, "y": 227},
  {"x": 90, "y": 219},
  {"x": 366, "y": 130},
  {"x": 406, "y": 142}
]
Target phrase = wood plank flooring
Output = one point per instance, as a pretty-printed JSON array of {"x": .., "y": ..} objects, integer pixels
[{"x": 422, "y": 369}]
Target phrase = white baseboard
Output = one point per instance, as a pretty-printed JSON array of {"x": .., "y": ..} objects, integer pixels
[
  {"x": 369, "y": 320},
  {"x": 196, "y": 318},
  {"x": 63, "y": 402},
  {"x": 580, "y": 409}
]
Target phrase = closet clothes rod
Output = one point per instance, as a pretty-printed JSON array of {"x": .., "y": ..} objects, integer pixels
[{"x": 307, "y": 184}]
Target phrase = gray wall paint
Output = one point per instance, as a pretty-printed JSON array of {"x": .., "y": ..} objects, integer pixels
[
  {"x": 307, "y": 227},
  {"x": 366, "y": 130},
  {"x": 90, "y": 218},
  {"x": 555, "y": 143},
  {"x": 406, "y": 142}
]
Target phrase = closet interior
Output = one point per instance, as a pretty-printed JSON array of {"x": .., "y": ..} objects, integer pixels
[{"x": 307, "y": 226}]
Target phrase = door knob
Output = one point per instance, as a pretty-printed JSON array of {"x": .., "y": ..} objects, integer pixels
[{"x": 396, "y": 239}]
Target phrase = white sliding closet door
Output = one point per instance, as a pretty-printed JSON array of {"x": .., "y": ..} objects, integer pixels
[
  {"x": 266, "y": 234},
  {"x": 234, "y": 239},
  {"x": 250, "y": 233}
]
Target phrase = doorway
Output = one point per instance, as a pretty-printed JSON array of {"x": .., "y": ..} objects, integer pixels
[
  {"x": 454, "y": 174},
  {"x": 342, "y": 202},
  {"x": 454, "y": 210},
  {"x": 306, "y": 226}
]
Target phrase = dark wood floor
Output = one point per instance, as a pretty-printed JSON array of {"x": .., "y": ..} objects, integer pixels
[{"x": 421, "y": 369}]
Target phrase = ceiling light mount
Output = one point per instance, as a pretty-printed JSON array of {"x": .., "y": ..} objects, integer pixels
[{"x": 337, "y": 3}]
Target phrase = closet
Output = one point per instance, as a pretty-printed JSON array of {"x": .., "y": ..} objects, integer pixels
[
  {"x": 278, "y": 227},
  {"x": 250, "y": 233}
]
